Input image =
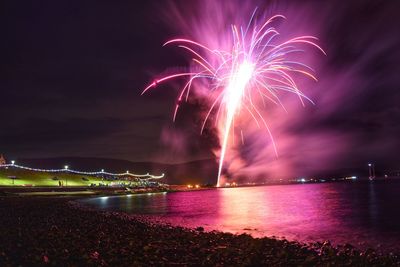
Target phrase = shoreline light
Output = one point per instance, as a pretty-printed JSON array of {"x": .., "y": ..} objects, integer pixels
[{"x": 66, "y": 168}]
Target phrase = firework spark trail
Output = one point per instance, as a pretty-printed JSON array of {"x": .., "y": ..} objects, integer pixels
[{"x": 254, "y": 68}]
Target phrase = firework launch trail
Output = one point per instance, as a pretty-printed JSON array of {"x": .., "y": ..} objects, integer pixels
[{"x": 241, "y": 77}]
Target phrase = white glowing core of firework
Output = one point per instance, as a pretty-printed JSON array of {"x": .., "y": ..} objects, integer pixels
[
  {"x": 253, "y": 66},
  {"x": 234, "y": 93}
]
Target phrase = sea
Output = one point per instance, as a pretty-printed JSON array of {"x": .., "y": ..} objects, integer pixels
[{"x": 361, "y": 213}]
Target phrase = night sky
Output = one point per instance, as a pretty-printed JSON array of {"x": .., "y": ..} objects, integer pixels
[{"x": 72, "y": 73}]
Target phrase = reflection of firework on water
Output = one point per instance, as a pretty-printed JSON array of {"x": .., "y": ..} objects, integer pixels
[{"x": 240, "y": 79}]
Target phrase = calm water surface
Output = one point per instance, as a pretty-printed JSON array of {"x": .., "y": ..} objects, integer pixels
[{"x": 360, "y": 213}]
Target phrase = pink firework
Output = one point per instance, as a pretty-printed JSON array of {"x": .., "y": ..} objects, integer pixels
[{"x": 255, "y": 68}]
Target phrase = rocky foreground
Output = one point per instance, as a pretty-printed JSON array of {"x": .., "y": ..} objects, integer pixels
[{"x": 59, "y": 232}]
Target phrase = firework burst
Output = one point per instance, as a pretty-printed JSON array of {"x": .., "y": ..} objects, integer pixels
[{"x": 255, "y": 68}]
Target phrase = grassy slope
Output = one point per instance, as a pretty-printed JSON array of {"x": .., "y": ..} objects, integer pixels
[{"x": 25, "y": 177}]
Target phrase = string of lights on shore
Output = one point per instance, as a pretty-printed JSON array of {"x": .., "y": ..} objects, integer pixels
[{"x": 66, "y": 169}]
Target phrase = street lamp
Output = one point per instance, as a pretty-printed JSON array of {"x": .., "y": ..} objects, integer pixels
[
  {"x": 371, "y": 171},
  {"x": 66, "y": 177},
  {"x": 12, "y": 162}
]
